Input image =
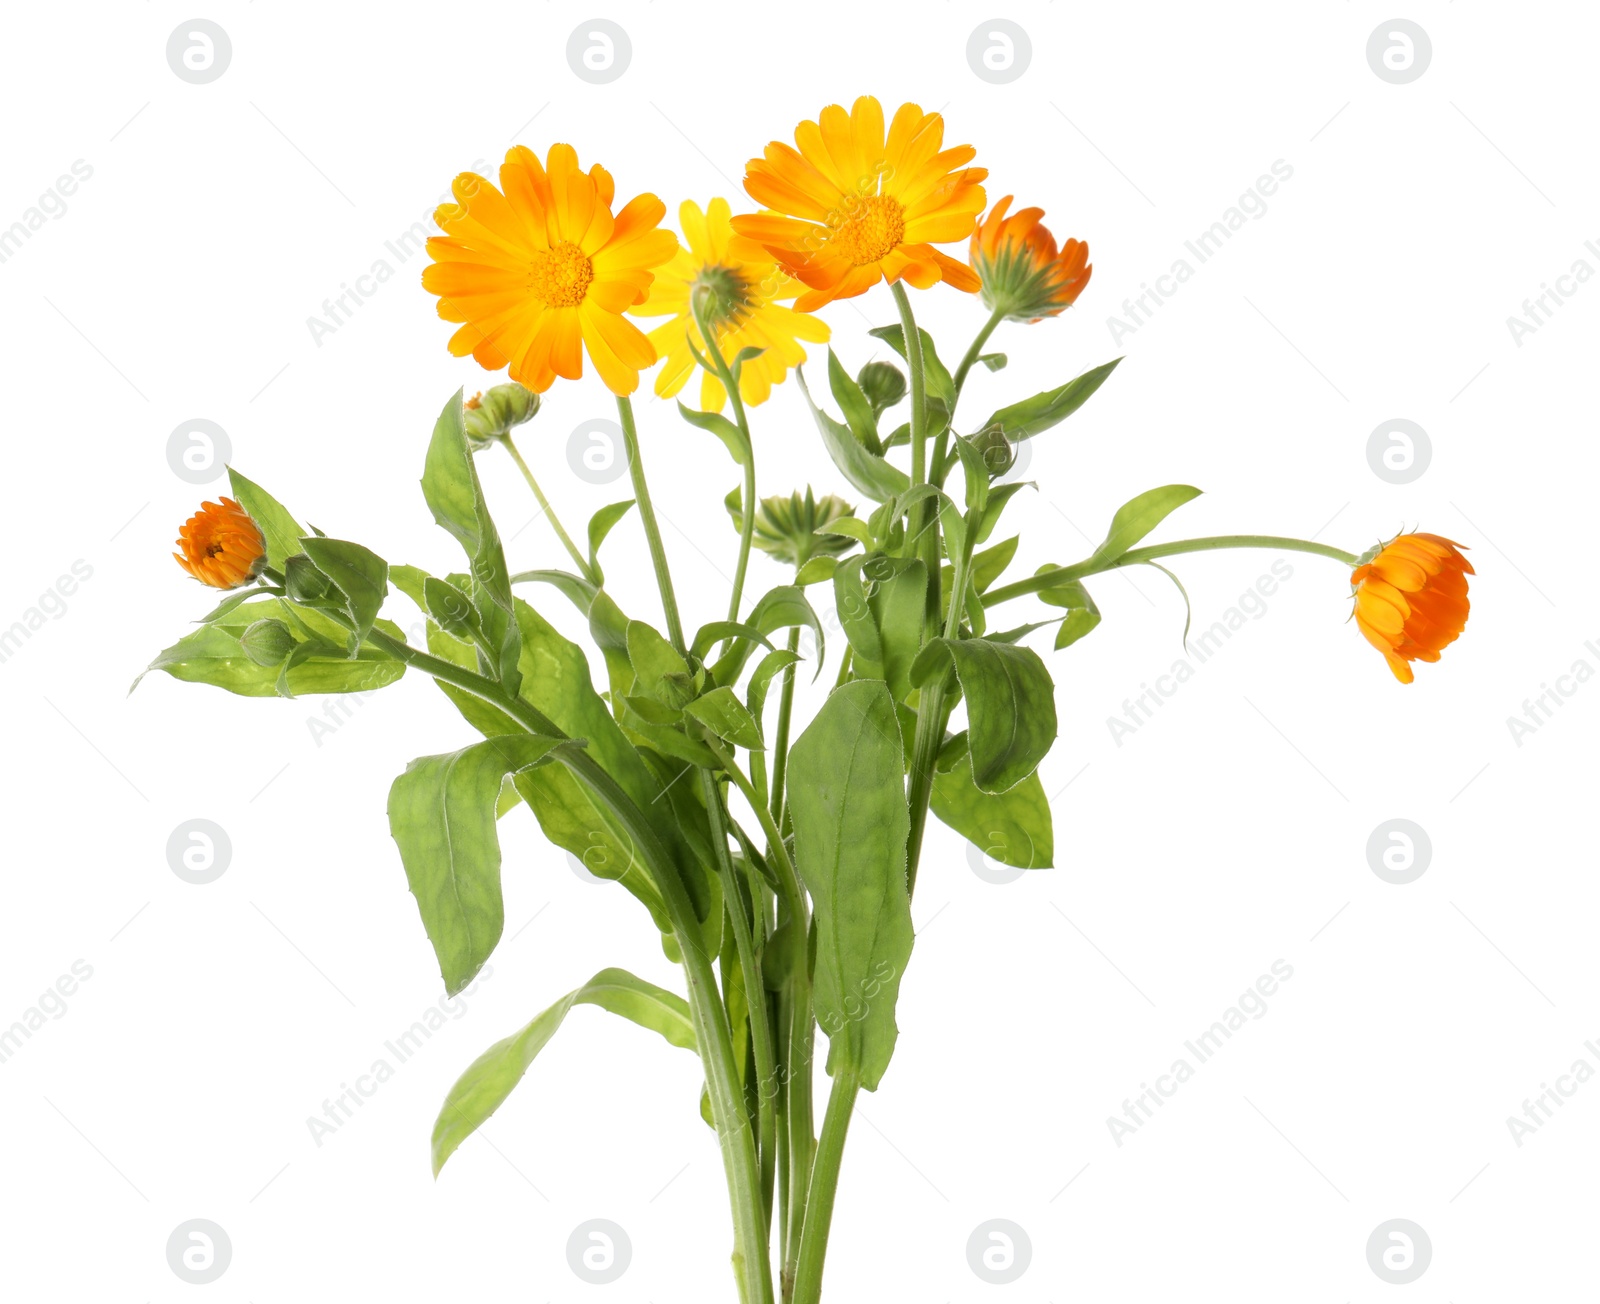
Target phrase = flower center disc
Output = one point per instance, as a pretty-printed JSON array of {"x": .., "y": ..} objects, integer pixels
[
  {"x": 875, "y": 225},
  {"x": 561, "y": 275}
]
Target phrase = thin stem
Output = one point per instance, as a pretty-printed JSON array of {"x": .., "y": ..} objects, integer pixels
[
  {"x": 780, "y": 739},
  {"x": 824, "y": 1186},
  {"x": 960, "y": 378},
  {"x": 647, "y": 517},
  {"x": 699, "y": 304},
  {"x": 941, "y": 450},
  {"x": 582, "y": 562},
  {"x": 1051, "y": 579}
]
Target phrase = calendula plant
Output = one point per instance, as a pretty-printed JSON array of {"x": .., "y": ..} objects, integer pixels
[{"x": 778, "y": 858}]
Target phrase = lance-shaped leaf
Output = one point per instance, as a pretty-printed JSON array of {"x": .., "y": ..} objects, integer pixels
[
  {"x": 879, "y": 479},
  {"x": 279, "y": 530},
  {"x": 881, "y": 602},
  {"x": 732, "y": 437},
  {"x": 847, "y": 795},
  {"x": 213, "y": 654},
  {"x": 781, "y": 608},
  {"x": 455, "y": 497},
  {"x": 1011, "y": 705},
  {"x": 442, "y": 815},
  {"x": 600, "y": 525},
  {"x": 1012, "y": 827},
  {"x": 1137, "y": 517},
  {"x": 360, "y": 575},
  {"x": 853, "y": 403},
  {"x": 493, "y": 1076},
  {"x": 725, "y": 715},
  {"x": 1031, "y": 416},
  {"x": 1082, "y": 615}
]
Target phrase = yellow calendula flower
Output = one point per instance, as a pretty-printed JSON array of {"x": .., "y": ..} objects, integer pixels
[
  {"x": 740, "y": 284},
  {"x": 540, "y": 271},
  {"x": 852, "y": 206}
]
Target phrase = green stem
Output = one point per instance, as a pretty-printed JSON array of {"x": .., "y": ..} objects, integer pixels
[
  {"x": 647, "y": 517},
  {"x": 780, "y": 739},
  {"x": 941, "y": 450},
  {"x": 755, "y": 990},
  {"x": 724, "y": 373},
  {"x": 712, "y": 1033},
  {"x": 801, "y": 1026},
  {"x": 824, "y": 1186},
  {"x": 960, "y": 378},
  {"x": 582, "y": 562},
  {"x": 1051, "y": 579}
]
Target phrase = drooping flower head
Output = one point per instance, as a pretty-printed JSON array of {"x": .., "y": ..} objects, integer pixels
[
  {"x": 741, "y": 285},
  {"x": 851, "y": 206},
  {"x": 539, "y": 271},
  {"x": 1411, "y": 599},
  {"x": 1024, "y": 275},
  {"x": 221, "y": 545}
]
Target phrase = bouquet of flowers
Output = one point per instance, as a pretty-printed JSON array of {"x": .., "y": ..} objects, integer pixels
[{"x": 777, "y": 857}]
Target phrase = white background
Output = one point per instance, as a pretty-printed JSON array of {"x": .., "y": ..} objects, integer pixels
[{"x": 1228, "y": 832}]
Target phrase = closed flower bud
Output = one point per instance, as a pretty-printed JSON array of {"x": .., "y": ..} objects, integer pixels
[
  {"x": 786, "y": 528},
  {"x": 883, "y": 383},
  {"x": 267, "y": 642},
  {"x": 490, "y": 416}
]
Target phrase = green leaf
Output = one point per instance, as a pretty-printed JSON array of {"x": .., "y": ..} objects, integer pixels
[
  {"x": 715, "y": 631},
  {"x": 360, "y": 574},
  {"x": 661, "y": 672},
  {"x": 442, "y": 814},
  {"x": 781, "y": 608},
  {"x": 847, "y": 795},
  {"x": 999, "y": 496},
  {"x": 450, "y": 608},
  {"x": 936, "y": 376},
  {"x": 212, "y": 654},
  {"x": 1011, "y": 705},
  {"x": 990, "y": 564},
  {"x": 881, "y": 602},
  {"x": 1137, "y": 517},
  {"x": 816, "y": 571},
  {"x": 1031, "y": 416},
  {"x": 455, "y": 497},
  {"x": 577, "y": 590},
  {"x": 279, "y": 530},
  {"x": 853, "y": 403},
  {"x": 600, "y": 525},
  {"x": 1082, "y": 615},
  {"x": 880, "y": 480},
  {"x": 725, "y": 715},
  {"x": 1012, "y": 827},
  {"x": 410, "y": 580},
  {"x": 734, "y": 438},
  {"x": 975, "y": 474},
  {"x": 493, "y": 1076},
  {"x": 993, "y": 361}
]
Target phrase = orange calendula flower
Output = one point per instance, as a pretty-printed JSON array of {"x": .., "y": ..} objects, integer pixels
[
  {"x": 740, "y": 284},
  {"x": 852, "y": 206},
  {"x": 1411, "y": 599},
  {"x": 1024, "y": 275},
  {"x": 540, "y": 270},
  {"x": 221, "y": 545}
]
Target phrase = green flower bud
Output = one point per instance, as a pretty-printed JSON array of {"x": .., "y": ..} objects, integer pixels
[
  {"x": 491, "y": 416},
  {"x": 999, "y": 453},
  {"x": 786, "y": 528},
  {"x": 883, "y": 383},
  {"x": 267, "y": 642}
]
